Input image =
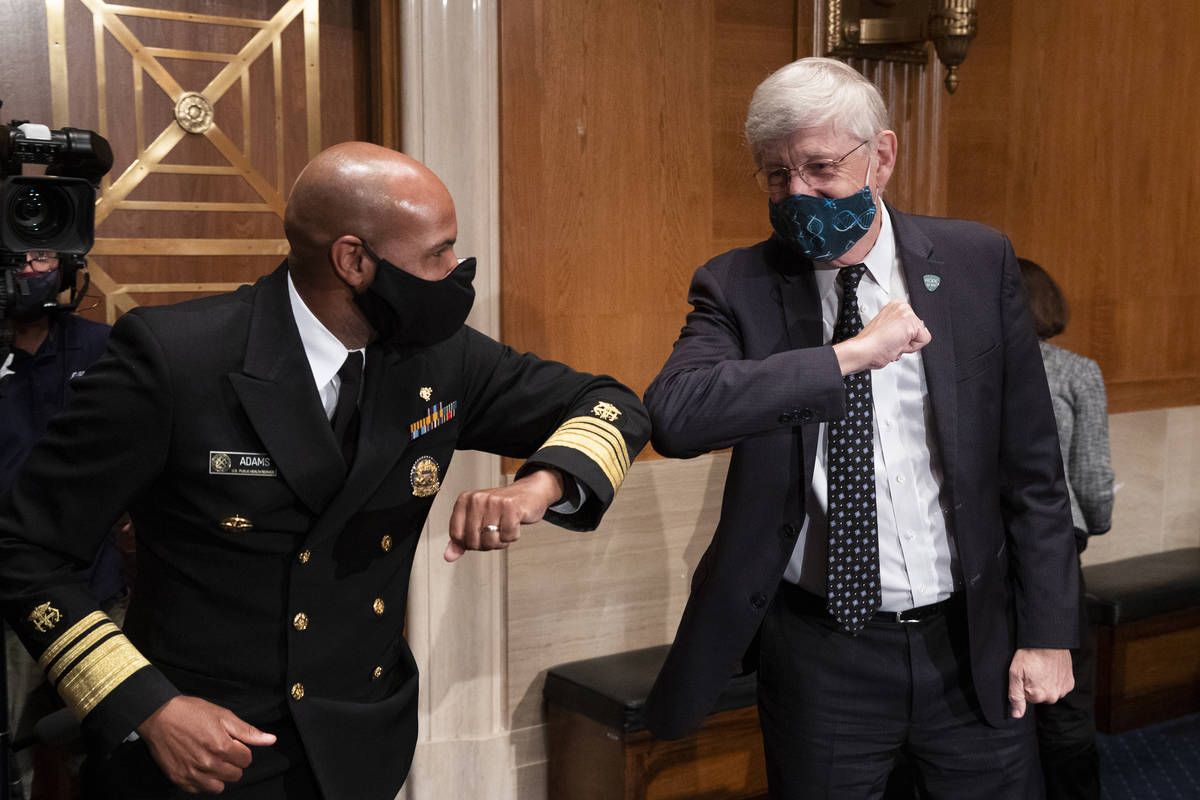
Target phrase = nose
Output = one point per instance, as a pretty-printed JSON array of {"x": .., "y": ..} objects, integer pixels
[{"x": 796, "y": 185}]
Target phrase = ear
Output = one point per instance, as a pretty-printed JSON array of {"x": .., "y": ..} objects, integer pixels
[
  {"x": 351, "y": 263},
  {"x": 885, "y": 154}
]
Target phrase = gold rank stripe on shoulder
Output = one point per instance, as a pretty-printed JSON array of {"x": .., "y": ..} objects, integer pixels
[
  {"x": 598, "y": 440},
  {"x": 87, "y": 662}
]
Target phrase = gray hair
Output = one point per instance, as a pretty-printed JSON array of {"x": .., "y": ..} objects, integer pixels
[{"x": 813, "y": 92}]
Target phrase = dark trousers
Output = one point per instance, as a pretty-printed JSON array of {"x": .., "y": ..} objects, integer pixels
[
  {"x": 1066, "y": 730},
  {"x": 838, "y": 710}
]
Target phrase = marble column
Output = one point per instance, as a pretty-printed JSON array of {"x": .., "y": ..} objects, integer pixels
[{"x": 456, "y": 616}]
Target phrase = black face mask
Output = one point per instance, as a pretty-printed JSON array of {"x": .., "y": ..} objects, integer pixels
[
  {"x": 409, "y": 311},
  {"x": 42, "y": 288}
]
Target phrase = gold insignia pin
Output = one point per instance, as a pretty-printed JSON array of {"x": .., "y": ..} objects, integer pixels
[
  {"x": 45, "y": 617},
  {"x": 426, "y": 393},
  {"x": 236, "y": 523},
  {"x": 424, "y": 477},
  {"x": 606, "y": 411}
]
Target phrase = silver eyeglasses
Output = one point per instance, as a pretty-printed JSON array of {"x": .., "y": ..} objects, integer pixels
[{"x": 778, "y": 180}]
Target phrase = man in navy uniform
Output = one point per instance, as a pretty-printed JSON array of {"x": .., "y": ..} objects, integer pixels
[
  {"x": 279, "y": 448},
  {"x": 895, "y": 550}
]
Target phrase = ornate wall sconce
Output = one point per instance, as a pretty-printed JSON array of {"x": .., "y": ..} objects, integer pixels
[{"x": 896, "y": 30}]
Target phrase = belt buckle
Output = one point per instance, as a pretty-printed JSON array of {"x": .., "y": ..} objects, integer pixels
[{"x": 900, "y": 619}]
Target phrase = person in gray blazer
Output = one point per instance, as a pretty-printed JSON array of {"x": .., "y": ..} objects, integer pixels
[
  {"x": 894, "y": 551},
  {"x": 1067, "y": 729}
]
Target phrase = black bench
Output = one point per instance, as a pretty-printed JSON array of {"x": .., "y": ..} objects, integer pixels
[
  {"x": 1146, "y": 610},
  {"x": 599, "y": 748}
]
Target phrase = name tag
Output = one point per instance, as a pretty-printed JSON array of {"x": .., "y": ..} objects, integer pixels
[{"x": 225, "y": 462}]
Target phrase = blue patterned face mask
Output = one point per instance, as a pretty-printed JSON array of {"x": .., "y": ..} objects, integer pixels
[{"x": 824, "y": 228}]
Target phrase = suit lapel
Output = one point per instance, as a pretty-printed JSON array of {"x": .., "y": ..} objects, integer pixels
[
  {"x": 276, "y": 391},
  {"x": 797, "y": 286},
  {"x": 923, "y": 270}
]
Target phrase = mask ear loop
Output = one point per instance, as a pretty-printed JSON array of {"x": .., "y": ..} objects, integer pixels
[{"x": 367, "y": 249}]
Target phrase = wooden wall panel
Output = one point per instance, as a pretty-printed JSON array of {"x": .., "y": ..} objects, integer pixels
[
  {"x": 117, "y": 69},
  {"x": 1077, "y": 143},
  {"x": 622, "y": 167}
]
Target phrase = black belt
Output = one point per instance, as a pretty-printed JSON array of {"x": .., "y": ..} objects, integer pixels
[
  {"x": 910, "y": 615},
  {"x": 805, "y": 601}
]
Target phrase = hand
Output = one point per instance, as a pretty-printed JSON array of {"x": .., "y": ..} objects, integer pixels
[
  {"x": 894, "y": 331},
  {"x": 198, "y": 745},
  {"x": 491, "y": 519},
  {"x": 1038, "y": 676}
]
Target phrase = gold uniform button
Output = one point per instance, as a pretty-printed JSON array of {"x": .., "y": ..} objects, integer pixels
[
  {"x": 378, "y": 606},
  {"x": 300, "y": 621},
  {"x": 236, "y": 523},
  {"x": 386, "y": 543},
  {"x": 304, "y": 556},
  {"x": 377, "y": 673},
  {"x": 297, "y": 691}
]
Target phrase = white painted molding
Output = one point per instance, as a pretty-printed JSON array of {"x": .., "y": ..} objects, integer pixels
[{"x": 456, "y": 615}]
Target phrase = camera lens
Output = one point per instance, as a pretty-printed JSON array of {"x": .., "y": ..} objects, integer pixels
[{"x": 40, "y": 213}]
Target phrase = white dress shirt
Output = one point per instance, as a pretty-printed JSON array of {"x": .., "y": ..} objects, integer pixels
[
  {"x": 325, "y": 352},
  {"x": 915, "y": 566}
]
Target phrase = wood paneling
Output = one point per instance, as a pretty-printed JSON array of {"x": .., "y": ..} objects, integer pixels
[
  {"x": 723, "y": 760},
  {"x": 1072, "y": 133},
  {"x": 275, "y": 100},
  {"x": 622, "y": 167}
]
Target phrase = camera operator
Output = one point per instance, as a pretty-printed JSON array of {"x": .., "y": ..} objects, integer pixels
[{"x": 50, "y": 346}]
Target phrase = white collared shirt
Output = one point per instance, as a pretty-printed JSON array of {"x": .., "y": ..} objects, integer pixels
[
  {"x": 325, "y": 352},
  {"x": 914, "y": 549}
]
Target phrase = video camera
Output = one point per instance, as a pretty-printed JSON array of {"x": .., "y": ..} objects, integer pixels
[{"x": 54, "y": 212}]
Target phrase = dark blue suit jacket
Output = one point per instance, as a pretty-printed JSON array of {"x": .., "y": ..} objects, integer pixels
[{"x": 749, "y": 371}]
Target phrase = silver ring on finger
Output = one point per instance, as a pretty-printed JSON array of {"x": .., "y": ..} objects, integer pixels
[{"x": 491, "y": 528}]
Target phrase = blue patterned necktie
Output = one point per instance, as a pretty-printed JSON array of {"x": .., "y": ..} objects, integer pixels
[{"x": 852, "y": 587}]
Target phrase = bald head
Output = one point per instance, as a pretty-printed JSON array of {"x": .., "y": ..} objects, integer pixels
[{"x": 361, "y": 190}]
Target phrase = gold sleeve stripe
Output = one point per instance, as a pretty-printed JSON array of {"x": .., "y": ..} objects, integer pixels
[
  {"x": 68, "y": 638},
  {"x": 89, "y": 660},
  {"x": 95, "y": 676},
  {"x": 588, "y": 447},
  {"x": 602, "y": 429},
  {"x": 599, "y": 441},
  {"x": 81, "y": 646}
]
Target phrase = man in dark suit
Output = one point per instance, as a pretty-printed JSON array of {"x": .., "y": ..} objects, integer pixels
[
  {"x": 279, "y": 449},
  {"x": 894, "y": 550}
]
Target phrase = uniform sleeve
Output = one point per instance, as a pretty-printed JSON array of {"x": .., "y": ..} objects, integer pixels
[
  {"x": 106, "y": 447},
  {"x": 589, "y": 426},
  {"x": 1033, "y": 491},
  {"x": 709, "y": 395},
  {"x": 1091, "y": 462}
]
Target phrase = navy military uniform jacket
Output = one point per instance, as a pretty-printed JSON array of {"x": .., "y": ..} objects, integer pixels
[{"x": 272, "y": 579}]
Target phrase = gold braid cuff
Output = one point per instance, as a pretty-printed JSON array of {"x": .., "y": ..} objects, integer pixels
[
  {"x": 88, "y": 661},
  {"x": 599, "y": 441}
]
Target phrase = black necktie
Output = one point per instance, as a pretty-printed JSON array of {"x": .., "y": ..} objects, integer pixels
[
  {"x": 345, "y": 416},
  {"x": 852, "y": 586}
]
